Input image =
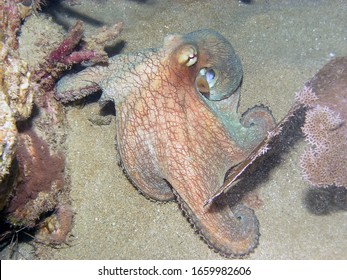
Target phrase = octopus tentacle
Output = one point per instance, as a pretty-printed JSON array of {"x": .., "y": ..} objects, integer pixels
[
  {"x": 149, "y": 184},
  {"x": 156, "y": 190},
  {"x": 78, "y": 86},
  {"x": 230, "y": 231},
  {"x": 259, "y": 115},
  {"x": 258, "y": 120},
  {"x": 73, "y": 95}
]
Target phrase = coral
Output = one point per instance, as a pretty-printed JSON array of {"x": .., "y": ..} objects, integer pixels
[
  {"x": 306, "y": 96},
  {"x": 36, "y": 4},
  {"x": 102, "y": 36},
  {"x": 319, "y": 122},
  {"x": 64, "y": 56},
  {"x": 55, "y": 229},
  {"x": 36, "y": 44},
  {"x": 14, "y": 71},
  {"x": 68, "y": 45},
  {"x": 15, "y": 98},
  {"x": 27, "y": 7},
  {"x": 8, "y": 137},
  {"x": 29, "y": 68},
  {"x": 92, "y": 51},
  {"x": 41, "y": 177},
  {"x": 324, "y": 161}
]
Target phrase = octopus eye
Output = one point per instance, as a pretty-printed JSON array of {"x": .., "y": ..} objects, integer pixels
[
  {"x": 210, "y": 77},
  {"x": 187, "y": 55},
  {"x": 203, "y": 87},
  {"x": 205, "y": 81}
]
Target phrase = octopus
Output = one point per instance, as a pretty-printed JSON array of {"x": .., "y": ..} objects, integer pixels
[{"x": 178, "y": 129}]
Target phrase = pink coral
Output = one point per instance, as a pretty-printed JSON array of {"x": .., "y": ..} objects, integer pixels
[
  {"x": 324, "y": 162},
  {"x": 306, "y": 96},
  {"x": 325, "y": 129},
  {"x": 319, "y": 124},
  {"x": 91, "y": 50}
]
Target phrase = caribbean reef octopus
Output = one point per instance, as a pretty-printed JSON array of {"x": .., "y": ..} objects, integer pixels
[{"x": 179, "y": 130}]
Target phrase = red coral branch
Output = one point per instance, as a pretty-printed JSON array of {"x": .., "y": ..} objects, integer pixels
[
  {"x": 66, "y": 55},
  {"x": 81, "y": 56},
  {"x": 68, "y": 45}
]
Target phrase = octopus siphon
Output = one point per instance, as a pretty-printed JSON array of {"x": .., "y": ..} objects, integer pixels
[{"x": 179, "y": 130}]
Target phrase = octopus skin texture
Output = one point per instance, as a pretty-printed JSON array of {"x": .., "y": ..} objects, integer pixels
[{"x": 179, "y": 130}]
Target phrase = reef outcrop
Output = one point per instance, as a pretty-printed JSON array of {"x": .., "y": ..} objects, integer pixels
[{"x": 34, "y": 182}]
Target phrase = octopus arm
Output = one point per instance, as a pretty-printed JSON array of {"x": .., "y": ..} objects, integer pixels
[
  {"x": 76, "y": 86},
  {"x": 231, "y": 231}
]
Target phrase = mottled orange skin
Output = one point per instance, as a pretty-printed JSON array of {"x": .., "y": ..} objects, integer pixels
[{"x": 174, "y": 142}]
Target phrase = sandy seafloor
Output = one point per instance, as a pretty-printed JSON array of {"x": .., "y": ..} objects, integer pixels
[{"x": 281, "y": 45}]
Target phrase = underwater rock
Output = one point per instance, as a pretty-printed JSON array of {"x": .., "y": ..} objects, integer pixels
[
  {"x": 55, "y": 229},
  {"x": 35, "y": 192},
  {"x": 34, "y": 189},
  {"x": 16, "y": 100},
  {"x": 14, "y": 73},
  {"x": 41, "y": 178},
  {"x": 8, "y": 140}
]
